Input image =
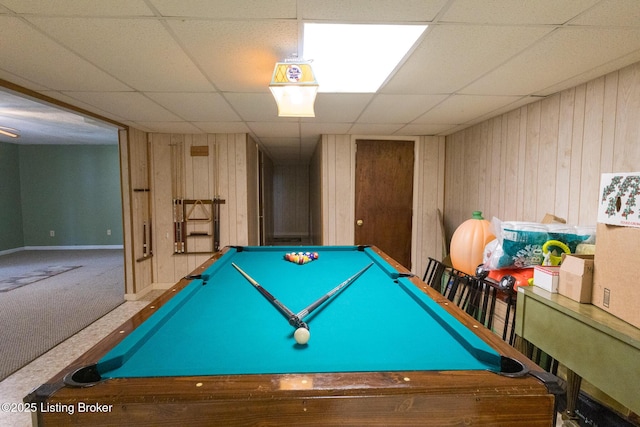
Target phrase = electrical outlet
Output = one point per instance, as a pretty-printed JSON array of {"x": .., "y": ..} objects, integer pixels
[
  {"x": 109, "y": 232},
  {"x": 52, "y": 233}
]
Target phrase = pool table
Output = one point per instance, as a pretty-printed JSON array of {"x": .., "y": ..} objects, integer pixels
[{"x": 219, "y": 348}]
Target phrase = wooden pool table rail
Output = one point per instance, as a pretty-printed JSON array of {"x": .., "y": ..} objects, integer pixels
[{"x": 382, "y": 398}]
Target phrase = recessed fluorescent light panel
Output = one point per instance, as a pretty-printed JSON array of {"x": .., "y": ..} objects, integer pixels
[{"x": 356, "y": 58}]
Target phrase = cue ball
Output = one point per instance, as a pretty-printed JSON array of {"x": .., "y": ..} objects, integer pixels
[{"x": 301, "y": 335}]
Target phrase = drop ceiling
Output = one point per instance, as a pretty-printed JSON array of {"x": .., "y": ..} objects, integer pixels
[{"x": 203, "y": 66}]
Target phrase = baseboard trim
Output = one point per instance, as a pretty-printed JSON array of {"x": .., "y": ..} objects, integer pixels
[
  {"x": 60, "y": 248},
  {"x": 145, "y": 291},
  {"x": 72, "y": 248},
  {"x": 11, "y": 251}
]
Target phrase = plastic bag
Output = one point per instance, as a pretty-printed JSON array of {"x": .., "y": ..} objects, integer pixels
[{"x": 520, "y": 244}]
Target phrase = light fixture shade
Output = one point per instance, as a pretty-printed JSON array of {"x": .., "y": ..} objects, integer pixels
[
  {"x": 294, "y": 87},
  {"x": 10, "y": 132}
]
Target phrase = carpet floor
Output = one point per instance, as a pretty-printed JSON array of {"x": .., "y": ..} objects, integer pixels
[
  {"x": 14, "y": 282},
  {"x": 37, "y": 316}
]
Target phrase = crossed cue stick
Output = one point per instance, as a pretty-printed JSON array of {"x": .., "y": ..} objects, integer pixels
[{"x": 296, "y": 320}]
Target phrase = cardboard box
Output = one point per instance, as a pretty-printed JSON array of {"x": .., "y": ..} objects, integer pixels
[
  {"x": 546, "y": 277},
  {"x": 576, "y": 277},
  {"x": 552, "y": 219},
  {"x": 616, "y": 285},
  {"x": 618, "y": 204}
]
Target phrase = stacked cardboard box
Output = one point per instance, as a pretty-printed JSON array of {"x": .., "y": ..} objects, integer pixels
[
  {"x": 546, "y": 277},
  {"x": 576, "y": 277},
  {"x": 616, "y": 284}
]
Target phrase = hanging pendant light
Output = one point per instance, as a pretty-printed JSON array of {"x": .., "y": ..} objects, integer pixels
[{"x": 294, "y": 87}]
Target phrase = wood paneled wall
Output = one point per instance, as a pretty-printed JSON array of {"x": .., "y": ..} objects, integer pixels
[
  {"x": 229, "y": 170},
  {"x": 428, "y": 204},
  {"x": 316, "y": 196},
  {"x": 546, "y": 156},
  {"x": 337, "y": 184},
  {"x": 134, "y": 177},
  {"x": 252, "y": 192},
  {"x": 267, "y": 210},
  {"x": 334, "y": 162}
]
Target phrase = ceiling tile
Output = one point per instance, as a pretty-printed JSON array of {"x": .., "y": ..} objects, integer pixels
[
  {"x": 225, "y": 9},
  {"x": 374, "y": 129},
  {"x": 511, "y": 12},
  {"x": 239, "y": 56},
  {"x": 276, "y": 129},
  {"x": 454, "y": 129},
  {"x": 423, "y": 129},
  {"x": 132, "y": 105},
  {"x": 339, "y": 107},
  {"x": 290, "y": 150},
  {"x": 451, "y": 56},
  {"x": 282, "y": 142},
  {"x": 63, "y": 97},
  {"x": 387, "y": 11},
  {"x": 504, "y": 109},
  {"x": 620, "y": 13},
  {"x": 310, "y": 142},
  {"x": 204, "y": 67},
  {"x": 462, "y": 108},
  {"x": 196, "y": 107},
  {"x": 168, "y": 127},
  {"x": 254, "y": 107},
  {"x": 398, "y": 108},
  {"x": 47, "y": 63},
  {"x": 309, "y": 129},
  {"x": 222, "y": 127},
  {"x": 138, "y": 52},
  {"x": 593, "y": 73},
  {"x": 20, "y": 81},
  {"x": 565, "y": 53},
  {"x": 80, "y": 7}
]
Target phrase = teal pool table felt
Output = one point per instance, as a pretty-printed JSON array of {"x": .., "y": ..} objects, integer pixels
[{"x": 221, "y": 325}]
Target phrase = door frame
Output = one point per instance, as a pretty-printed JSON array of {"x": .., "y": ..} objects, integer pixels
[
  {"x": 414, "y": 202},
  {"x": 335, "y": 163}
]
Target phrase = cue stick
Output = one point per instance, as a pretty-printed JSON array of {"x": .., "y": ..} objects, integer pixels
[
  {"x": 144, "y": 239},
  {"x": 216, "y": 224},
  {"x": 304, "y": 313},
  {"x": 293, "y": 319},
  {"x": 181, "y": 225},
  {"x": 175, "y": 226},
  {"x": 150, "y": 238},
  {"x": 174, "y": 195}
]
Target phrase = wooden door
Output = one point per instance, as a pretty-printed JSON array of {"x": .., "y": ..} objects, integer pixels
[{"x": 384, "y": 196}]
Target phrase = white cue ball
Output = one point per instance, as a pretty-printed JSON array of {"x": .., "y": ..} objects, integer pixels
[{"x": 301, "y": 335}]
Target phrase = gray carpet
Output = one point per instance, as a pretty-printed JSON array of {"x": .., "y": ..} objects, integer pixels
[
  {"x": 27, "y": 278},
  {"x": 37, "y": 316}
]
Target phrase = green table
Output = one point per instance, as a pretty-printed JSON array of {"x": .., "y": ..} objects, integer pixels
[{"x": 590, "y": 342}]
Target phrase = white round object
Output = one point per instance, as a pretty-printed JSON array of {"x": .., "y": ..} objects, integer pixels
[{"x": 301, "y": 335}]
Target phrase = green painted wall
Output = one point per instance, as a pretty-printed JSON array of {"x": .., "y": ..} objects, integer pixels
[
  {"x": 73, "y": 190},
  {"x": 10, "y": 208}
]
